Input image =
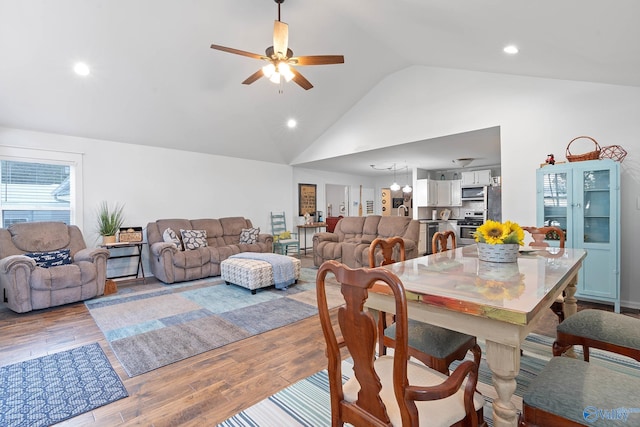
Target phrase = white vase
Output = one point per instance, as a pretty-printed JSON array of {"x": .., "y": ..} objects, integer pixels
[{"x": 498, "y": 253}]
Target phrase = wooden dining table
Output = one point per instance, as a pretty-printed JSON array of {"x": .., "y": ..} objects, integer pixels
[{"x": 497, "y": 302}]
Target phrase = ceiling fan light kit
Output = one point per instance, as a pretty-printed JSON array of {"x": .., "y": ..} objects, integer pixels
[{"x": 280, "y": 58}]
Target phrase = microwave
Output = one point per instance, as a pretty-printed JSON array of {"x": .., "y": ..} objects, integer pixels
[{"x": 474, "y": 193}]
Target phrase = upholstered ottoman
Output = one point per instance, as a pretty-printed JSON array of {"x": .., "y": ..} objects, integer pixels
[{"x": 253, "y": 273}]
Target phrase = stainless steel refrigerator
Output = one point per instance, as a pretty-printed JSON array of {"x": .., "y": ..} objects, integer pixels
[{"x": 493, "y": 203}]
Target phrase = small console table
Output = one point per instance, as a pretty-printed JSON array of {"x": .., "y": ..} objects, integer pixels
[
  {"x": 315, "y": 226},
  {"x": 137, "y": 254}
]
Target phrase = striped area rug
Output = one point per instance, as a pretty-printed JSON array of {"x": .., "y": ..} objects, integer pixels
[{"x": 306, "y": 403}]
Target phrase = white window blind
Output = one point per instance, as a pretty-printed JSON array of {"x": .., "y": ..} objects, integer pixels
[{"x": 35, "y": 191}]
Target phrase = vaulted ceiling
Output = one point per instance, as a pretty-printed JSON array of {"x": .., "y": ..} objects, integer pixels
[{"x": 155, "y": 81}]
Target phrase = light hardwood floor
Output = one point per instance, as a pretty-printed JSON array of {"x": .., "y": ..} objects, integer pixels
[{"x": 202, "y": 390}]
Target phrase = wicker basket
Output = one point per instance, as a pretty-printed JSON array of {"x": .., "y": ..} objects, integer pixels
[{"x": 591, "y": 155}]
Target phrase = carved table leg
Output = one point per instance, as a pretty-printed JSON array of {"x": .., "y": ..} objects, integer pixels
[
  {"x": 570, "y": 307},
  {"x": 504, "y": 362}
]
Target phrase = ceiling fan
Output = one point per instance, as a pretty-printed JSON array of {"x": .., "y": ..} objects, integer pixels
[{"x": 280, "y": 58}]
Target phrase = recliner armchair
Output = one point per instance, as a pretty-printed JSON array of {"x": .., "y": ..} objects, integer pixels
[{"x": 25, "y": 286}]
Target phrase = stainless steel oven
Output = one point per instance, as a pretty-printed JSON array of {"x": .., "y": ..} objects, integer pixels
[{"x": 468, "y": 225}]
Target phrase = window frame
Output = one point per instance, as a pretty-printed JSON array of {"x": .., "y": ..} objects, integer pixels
[{"x": 74, "y": 160}]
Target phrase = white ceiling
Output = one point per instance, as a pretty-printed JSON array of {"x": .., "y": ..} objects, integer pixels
[{"x": 156, "y": 82}]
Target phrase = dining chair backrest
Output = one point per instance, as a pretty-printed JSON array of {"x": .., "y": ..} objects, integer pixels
[
  {"x": 362, "y": 400},
  {"x": 539, "y": 235},
  {"x": 387, "y": 246},
  {"x": 440, "y": 240},
  {"x": 278, "y": 223}
]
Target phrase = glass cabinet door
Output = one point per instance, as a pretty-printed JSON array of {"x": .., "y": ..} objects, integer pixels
[
  {"x": 555, "y": 188},
  {"x": 596, "y": 209}
]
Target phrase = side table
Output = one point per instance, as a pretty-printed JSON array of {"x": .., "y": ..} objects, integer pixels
[
  {"x": 315, "y": 226},
  {"x": 137, "y": 254}
]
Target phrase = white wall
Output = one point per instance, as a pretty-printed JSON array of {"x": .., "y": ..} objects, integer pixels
[
  {"x": 536, "y": 117},
  {"x": 321, "y": 178},
  {"x": 156, "y": 183}
]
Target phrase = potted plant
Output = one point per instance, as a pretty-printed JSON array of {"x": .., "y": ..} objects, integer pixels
[
  {"x": 109, "y": 221},
  {"x": 499, "y": 242}
]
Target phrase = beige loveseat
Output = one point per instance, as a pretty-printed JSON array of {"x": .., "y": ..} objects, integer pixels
[
  {"x": 73, "y": 272},
  {"x": 171, "y": 264},
  {"x": 350, "y": 240}
]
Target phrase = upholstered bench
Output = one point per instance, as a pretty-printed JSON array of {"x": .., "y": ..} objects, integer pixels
[
  {"x": 253, "y": 273},
  {"x": 581, "y": 392},
  {"x": 599, "y": 329}
]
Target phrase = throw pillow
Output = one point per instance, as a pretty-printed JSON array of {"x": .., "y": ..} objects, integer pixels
[
  {"x": 170, "y": 236},
  {"x": 284, "y": 235},
  {"x": 52, "y": 258},
  {"x": 193, "y": 239},
  {"x": 249, "y": 235}
]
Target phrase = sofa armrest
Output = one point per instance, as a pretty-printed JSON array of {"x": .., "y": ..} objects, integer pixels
[
  {"x": 15, "y": 278},
  {"x": 91, "y": 254},
  {"x": 265, "y": 238},
  {"x": 325, "y": 236},
  {"x": 14, "y": 261},
  {"x": 158, "y": 248}
]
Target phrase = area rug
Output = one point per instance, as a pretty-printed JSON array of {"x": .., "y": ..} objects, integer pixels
[
  {"x": 306, "y": 403},
  {"x": 53, "y": 388},
  {"x": 150, "y": 326}
]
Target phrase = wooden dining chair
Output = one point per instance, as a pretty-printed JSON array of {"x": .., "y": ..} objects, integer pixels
[
  {"x": 440, "y": 240},
  {"x": 433, "y": 345},
  {"x": 387, "y": 390},
  {"x": 539, "y": 235}
]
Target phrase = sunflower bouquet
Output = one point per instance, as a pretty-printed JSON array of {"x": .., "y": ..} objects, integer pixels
[{"x": 497, "y": 233}]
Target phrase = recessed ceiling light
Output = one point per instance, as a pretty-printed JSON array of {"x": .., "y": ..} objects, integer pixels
[
  {"x": 292, "y": 123},
  {"x": 81, "y": 69},
  {"x": 511, "y": 49}
]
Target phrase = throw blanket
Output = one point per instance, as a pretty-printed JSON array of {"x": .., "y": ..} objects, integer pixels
[{"x": 283, "y": 272}]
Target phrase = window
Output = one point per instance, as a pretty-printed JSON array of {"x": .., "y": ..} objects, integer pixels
[{"x": 37, "y": 189}]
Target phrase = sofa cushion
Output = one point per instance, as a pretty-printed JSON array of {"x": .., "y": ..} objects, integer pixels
[
  {"x": 193, "y": 239},
  {"x": 170, "y": 236},
  {"x": 51, "y": 258},
  {"x": 40, "y": 236},
  {"x": 249, "y": 235},
  {"x": 213, "y": 227},
  {"x": 390, "y": 226}
]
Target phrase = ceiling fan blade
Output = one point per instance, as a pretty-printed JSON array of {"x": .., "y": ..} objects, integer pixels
[
  {"x": 300, "y": 80},
  {"x": 280, "y": 38},
  {"x": 317, "y": 60},
  {"x": 253, "y": 77},
  {"x": 238, "y": 52}
]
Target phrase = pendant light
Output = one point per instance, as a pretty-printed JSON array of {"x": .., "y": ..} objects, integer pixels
[
  {"x": 407, "y": 188},
  {"x": 395, "y": 186}
]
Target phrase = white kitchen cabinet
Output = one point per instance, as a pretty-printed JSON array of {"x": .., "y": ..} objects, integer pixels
[
  {"x": 482, "y": 177},
  {"x": 456, "y": 192},
  {"x": 444, "y": 193},
  {"x": 449, "y": 225},
  {"x": 422, "y": 242},
  {"x": 426, "y": 193},
  {"x": 433, "y": 192}
]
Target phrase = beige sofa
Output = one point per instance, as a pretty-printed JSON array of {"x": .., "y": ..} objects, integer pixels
[
  {"x": 76, "y": 275},
  {"x": 350, "y": 240},
  {"x": 170, "y": 265}
]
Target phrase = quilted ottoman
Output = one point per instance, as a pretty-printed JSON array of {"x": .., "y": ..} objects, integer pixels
[{"x": 252, "y": 273}]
